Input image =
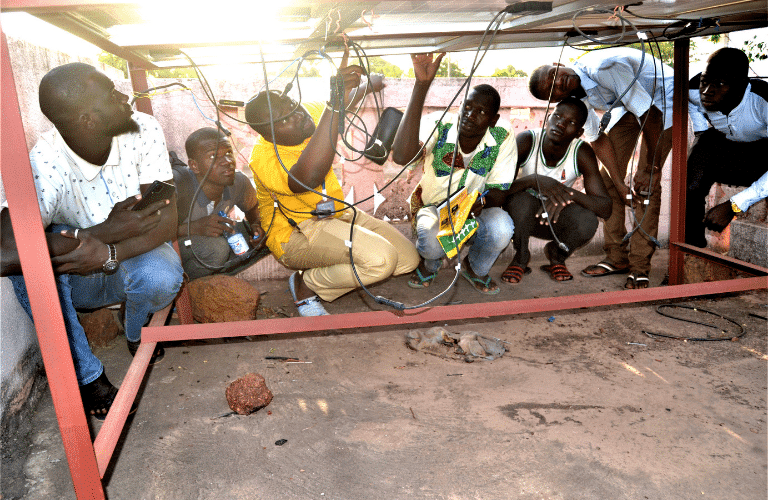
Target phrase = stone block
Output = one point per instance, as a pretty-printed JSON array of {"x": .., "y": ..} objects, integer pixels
[
  {"x": 248, "y": 394},
  {"x": 218, "y": 299},
  {"x": 101, "y": 326},
  {"x": 749, "y": 242}
]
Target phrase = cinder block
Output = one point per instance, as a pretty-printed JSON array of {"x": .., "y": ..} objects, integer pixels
[{"x": 749, "y": 241}]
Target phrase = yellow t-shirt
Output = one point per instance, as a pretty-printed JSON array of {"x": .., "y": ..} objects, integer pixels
[{"x": 272, "y": 184}]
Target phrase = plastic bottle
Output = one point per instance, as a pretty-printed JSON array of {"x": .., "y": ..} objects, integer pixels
[{"x": 236, "y": 241}]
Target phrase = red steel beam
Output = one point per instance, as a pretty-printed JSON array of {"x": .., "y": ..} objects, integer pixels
[
  {"x": 679, "y": 160},
  {"x": 445, "y": 313},
  {"x": 139, "y": 83},
  {"x": 41, "y": 286},
  {"x": 730, "y": 262}
]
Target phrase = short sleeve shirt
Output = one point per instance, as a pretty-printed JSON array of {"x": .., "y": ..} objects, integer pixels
[
  {"x": 241, "y": 194},
  {"x": 272, "y": 186},
  {"x": 75, "y": 192},
  {"x": 493, "y": 162}
]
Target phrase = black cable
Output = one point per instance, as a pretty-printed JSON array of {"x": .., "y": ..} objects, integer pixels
[{"x": 740, "y": 334}]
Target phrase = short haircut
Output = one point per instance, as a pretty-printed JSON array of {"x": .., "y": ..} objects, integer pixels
[
  {"x": 200, "y": 135},
  {"x": 255, "y": 107},
  {"x": 579, "y": 105},
  {"x": 730, "y": 62},
  {"x": 535, "y": 82},
  {"x": 62, "y": 92},
  {"x": 489, "y": 91}
]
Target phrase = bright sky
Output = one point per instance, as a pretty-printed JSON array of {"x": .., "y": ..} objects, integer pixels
[{"x": 23, "y": 26}]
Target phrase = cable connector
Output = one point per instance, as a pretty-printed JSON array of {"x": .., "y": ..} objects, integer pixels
[
  {"x": 528, "y": 8},
  {"x": 388, "y": 302}
]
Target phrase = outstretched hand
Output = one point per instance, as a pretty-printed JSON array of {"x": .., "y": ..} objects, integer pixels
[
  {"x": 425, "y": 66},
  {"x": 88, "y": 258}
]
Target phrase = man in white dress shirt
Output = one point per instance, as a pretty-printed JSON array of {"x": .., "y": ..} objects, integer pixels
[{"x": 733, "y": 150}]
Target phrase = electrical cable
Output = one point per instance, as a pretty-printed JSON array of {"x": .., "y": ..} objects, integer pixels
[{"x": 659, "y": 308}]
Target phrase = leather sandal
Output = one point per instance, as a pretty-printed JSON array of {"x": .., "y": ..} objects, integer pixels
[
  {"x": 636, "y": 282},
  {"x": 157, "y": 355},
  {"x": 484, "y": 285},
  {"x": 514, "y": 273},
  {"x": 605, "y": 268},
  {"x": 558, "y": 272}
]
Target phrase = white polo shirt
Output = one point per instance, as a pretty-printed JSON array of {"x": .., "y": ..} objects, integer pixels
[{"x": 77, "y": 193}]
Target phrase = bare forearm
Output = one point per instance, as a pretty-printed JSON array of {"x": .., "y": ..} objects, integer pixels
[
  {"x": 316, "y": 159},
  {"x": 406, "y": 143}
]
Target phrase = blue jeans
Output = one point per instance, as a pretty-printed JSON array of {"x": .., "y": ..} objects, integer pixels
[
  {"x": 495, "y": 229},
  {"x": 146, "y": 283}
]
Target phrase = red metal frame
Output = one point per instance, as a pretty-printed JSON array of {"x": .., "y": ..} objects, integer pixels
[{"x": 88, "y": 461}]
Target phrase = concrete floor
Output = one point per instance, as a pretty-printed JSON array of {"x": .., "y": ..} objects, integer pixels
[{"x": 582, "y": 406}]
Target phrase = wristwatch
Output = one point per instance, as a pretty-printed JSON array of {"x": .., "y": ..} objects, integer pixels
[
  {"x": 735, "y": 208},
  {"x": 111, "y": 265}
]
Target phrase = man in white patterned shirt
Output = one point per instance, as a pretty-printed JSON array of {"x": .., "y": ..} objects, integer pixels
[{"x": 89, "y": 172}]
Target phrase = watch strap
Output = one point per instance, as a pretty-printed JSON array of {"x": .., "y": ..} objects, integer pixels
[{"x": 735, "y": 208}]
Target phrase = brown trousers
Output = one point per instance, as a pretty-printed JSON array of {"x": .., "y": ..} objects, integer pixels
[{"x": 638, "y": 250}]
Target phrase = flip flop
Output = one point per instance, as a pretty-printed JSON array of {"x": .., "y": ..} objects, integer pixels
[
  {"x": 157, "y": 355},
  {"x": 483, "y": 285},
  {"x": 514, "y": 273},
  {"x": 98, "y": 397},
  {"x": 558, "y": 272},
  {"x": 636, "y": 282},
  {"x": 418, "y": 280},
  {"x": 607, "y": 268}
]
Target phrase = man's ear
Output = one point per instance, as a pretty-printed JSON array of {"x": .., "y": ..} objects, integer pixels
[{"x": 193, "y": 166}]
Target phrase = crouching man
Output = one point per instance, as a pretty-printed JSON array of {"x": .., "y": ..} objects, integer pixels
[{"x": 542, "y": 202}]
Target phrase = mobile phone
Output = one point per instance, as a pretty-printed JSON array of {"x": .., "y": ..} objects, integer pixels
[{"x": 157, "y": 191}]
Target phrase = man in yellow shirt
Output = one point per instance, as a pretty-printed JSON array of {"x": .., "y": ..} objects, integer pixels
[{"x": 308, "y": 227}]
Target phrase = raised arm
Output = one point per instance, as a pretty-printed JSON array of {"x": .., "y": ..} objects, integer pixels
[
  {"x": 316, "y": 159},
  {"x": 406, "y": 143}
]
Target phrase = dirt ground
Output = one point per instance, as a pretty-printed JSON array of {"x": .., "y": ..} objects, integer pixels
[{"x": 583, "y": 405}]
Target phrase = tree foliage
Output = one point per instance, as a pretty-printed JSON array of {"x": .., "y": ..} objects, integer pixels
[
  {"x": 379, "y": 65},
  {"x": 510, "y": 72},
  {"x": 442, "y": 71},
  {"x": 119, "y": 63},
  {"x": 756, "y": 50}
]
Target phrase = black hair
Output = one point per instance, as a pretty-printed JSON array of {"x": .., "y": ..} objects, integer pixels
[
  {"x": 535, "y": 81},
  {"x": 730, "y": 62},
  {"x": 254, "y": 107},
  {"x": 579, "y": 105},
  {"x": 62, "y": 92},
  {"x": 198, "y": 136},
  {"x": 489, "y": 91}
]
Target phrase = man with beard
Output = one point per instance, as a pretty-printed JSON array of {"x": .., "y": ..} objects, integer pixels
[
  {"x": 550, "y": 161},
  {"x": 733, "y": 149},
  {"x": 203, "y": 233},
  {"x": 484, "y": 163},
  {"x": 89, "y": 172},
  {"x": 301, "y": 200}
]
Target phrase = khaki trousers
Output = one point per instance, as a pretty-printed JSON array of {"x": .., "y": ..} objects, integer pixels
[
  {"x": 320, "y": 248},
  {"x": 638, "y": 250}
]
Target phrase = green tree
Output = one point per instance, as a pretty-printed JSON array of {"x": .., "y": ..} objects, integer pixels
[
  {"x": 756, "y": 51},
  {"x": 510, "y": 72},
  {"x": 667, "y": 50},
  {"x": 442, "y": 71},
  {"x": 379, "y": 65},
  {"x": 119, "y": 63},
  {"x": 116, "y": 62}
]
